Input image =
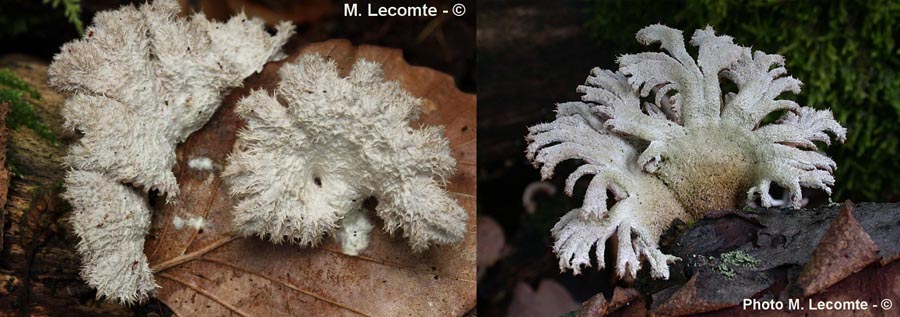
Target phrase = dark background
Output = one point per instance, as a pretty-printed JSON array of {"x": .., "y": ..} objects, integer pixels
[{"x": 532, "y": 54}]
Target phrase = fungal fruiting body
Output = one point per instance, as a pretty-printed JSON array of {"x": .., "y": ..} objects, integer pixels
[
  {"x": 112, "y": 220},
  {"x": 142, "y": 80},
  {"x": 321, "y": 144},
  {"x": 667, "y": 142}
]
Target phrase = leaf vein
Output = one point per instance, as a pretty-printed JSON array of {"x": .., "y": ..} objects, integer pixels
[
  {"x": 283, "y": 283},
  {"x": 204, "y": 293}
]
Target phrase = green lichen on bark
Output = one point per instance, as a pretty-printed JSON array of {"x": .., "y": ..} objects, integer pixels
[{"x": 728, "y": 260}]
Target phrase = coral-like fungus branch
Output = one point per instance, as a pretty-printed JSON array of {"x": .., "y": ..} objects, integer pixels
[
  {"x": 321, "y": 144},
  {"x": 644, "y": 208},
  {"x": 662, "y": 136},
  {"x": 142, "y": 80}
]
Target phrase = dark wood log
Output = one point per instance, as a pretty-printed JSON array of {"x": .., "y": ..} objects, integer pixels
[{"x": 839, "y": 252}]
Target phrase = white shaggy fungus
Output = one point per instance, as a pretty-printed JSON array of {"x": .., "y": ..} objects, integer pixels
[
  {"x": 321, "y": 144},
  {"x": 142, "y": 80}
]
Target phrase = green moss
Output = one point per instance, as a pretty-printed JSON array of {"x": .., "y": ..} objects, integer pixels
[
  {"x": 21, "y": 98},
  {"x": 14, "y": 170},
  {"x": 845, "y": 52}
]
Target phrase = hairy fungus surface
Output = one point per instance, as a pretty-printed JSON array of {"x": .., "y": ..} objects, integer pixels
[
  {"x": 313, "y": 151},
  {"x": 142, "y": 80},
  {"x": 667, "y": 141}
]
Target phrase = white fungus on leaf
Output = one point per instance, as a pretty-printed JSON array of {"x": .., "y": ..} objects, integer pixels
[
  {"x": 353, "y": 232},
  {"x": 142, "y": 80},
  {"x": 663, "y": 138},
  {"x": 320, "y": 145}
]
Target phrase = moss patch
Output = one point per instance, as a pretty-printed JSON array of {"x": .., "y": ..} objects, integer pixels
[{"x": 21, "y": 98}]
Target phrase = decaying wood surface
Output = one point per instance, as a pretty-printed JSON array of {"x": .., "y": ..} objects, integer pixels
[{"x": 836, "y": 253}]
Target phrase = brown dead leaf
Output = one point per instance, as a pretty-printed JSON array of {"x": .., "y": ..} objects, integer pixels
[
  {"x": 845, "y": 249},
  {"x": 205, "y": 270},
  {"x": 686, "y": 301},
  {"x": 599, "y": 306}
]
